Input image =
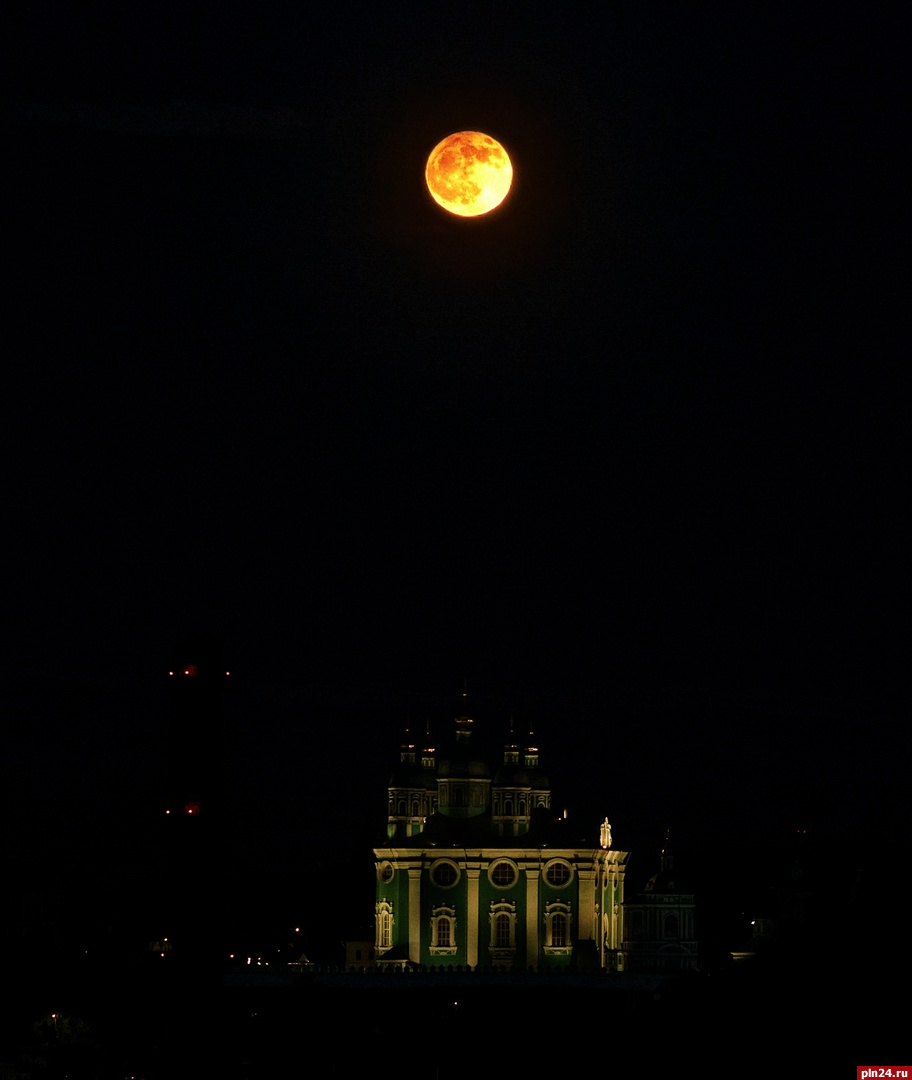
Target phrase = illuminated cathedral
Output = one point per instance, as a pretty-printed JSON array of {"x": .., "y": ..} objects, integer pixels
[{"x": 478, "y": 872}]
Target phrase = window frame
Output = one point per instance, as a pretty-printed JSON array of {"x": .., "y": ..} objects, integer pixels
[
  {"x": 443, "y": 918},
  {"x": 384, "y": 920},
  {"x": 492, "y": 869},
  {"x": 558, "y": 910},
  {"x": 499, "y": 911},
  {"x": 553, "y": 865},
  {"x": 437, "y": 865}
]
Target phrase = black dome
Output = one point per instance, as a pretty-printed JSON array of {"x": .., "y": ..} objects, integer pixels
[
  {"x": 406, "y": 774},
  {"x": 512, "y": 776},
  {"x": 461, "y": 765}
]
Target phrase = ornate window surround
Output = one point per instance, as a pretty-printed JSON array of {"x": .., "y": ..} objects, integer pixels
[
  {"x": 384, "y": 925},
  {"x": 561, "y": 910},
  {"x": 500, "y": 909},
  {"x": 443, "y": 928}
]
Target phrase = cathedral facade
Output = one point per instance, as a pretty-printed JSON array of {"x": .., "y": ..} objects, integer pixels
[{"x": 478, "y": 872}]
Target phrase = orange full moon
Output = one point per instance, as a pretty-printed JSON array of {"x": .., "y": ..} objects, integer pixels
[{"x": 468, "y": 173}]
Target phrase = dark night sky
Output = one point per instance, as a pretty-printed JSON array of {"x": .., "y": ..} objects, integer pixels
[{"x": 624, "y": 454}]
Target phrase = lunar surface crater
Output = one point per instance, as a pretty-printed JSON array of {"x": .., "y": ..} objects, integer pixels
[{"x": 469, "y": 173}]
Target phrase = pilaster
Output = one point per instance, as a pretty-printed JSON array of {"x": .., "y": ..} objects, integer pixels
[
  {"x": 533, "y": 876},
  {"x": 472, "y": 876},
  {"x": 586, "y": 914},
  {"x": 414, "y": 914}
]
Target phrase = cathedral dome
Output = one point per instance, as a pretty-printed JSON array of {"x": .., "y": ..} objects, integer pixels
[
  {"x": 512, "y": 776},
  {"x": 408, "y": 774},
  {"x": 667, "y": 880},
  {"x": 461, "y": 765}
]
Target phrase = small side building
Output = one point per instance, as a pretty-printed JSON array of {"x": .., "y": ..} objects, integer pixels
[{"x": 659, "y": 924}]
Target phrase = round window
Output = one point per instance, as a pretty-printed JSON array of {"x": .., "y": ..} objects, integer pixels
[
  {"x": 558, "y": 874},
  {"x": 385, "y": 871},
  {"x": 444, "y": 874},
  {"x": 502, "y": 874}
]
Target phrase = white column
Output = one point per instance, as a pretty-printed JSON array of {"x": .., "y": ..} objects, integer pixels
[
  {"x": 414, "y": 937},
  {"x": 586, "y": 913},
  {"x": 600, "y": 896},
  {"x": 616, "y": 889},
  {"x": 472, "y": 874},
  {"x": 533, "y": 873}
]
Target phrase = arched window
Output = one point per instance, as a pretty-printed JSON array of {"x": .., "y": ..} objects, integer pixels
[
  {"x": 443, "y": 931},
  {"x": 444, "y": 934},
  {"x": 503, "y": 930},
  {"x": 557, "y": 928},
  {"x": 670, "y": 928},
  {"x": 384, "y": 920}
]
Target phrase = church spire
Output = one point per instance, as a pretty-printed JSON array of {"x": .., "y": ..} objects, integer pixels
[
  {"x": 407, "y": 747},
  {"x": 464, "y": 722},
  {"x": 667, "y": 858},
  {"x": 511, "y": 748},
  {"x": 428, "y": 751},
  {"x": 531, "y": 755}
]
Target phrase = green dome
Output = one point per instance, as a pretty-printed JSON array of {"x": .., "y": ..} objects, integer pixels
[
  {"x": 408, "y": 774},
  {"x": 461, "y": 765},
  {"x": 512, "y": 776}
]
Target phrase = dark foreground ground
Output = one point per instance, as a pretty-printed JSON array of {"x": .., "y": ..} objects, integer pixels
[{"x": 179, "y": 1023}]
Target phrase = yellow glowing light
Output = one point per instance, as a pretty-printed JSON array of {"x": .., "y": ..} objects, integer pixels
[{"x": 468, "y": 173}]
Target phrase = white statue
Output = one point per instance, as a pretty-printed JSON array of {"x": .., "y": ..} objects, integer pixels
[{"x": 605, "y": 834}]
